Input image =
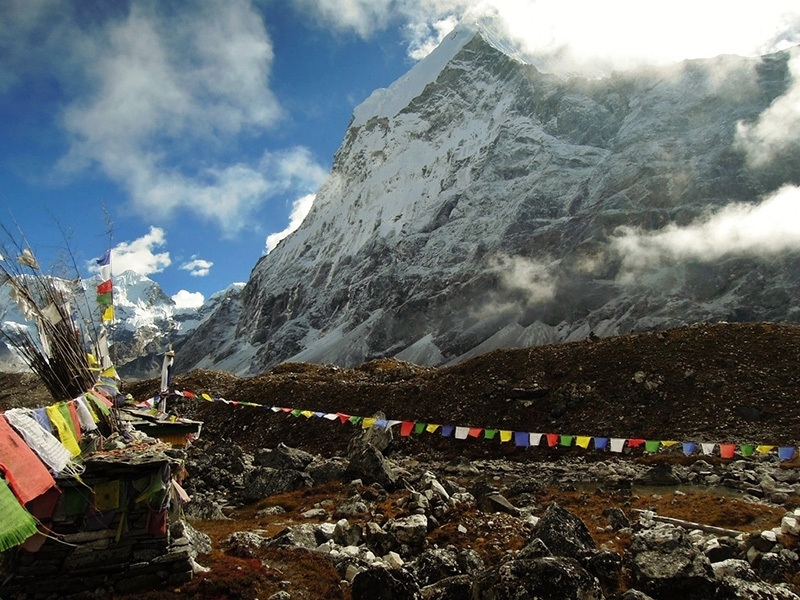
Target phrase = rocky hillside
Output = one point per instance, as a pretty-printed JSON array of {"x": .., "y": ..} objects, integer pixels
[{"x": 479, "y": 203}]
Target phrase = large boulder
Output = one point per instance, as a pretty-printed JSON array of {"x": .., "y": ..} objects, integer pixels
[
  {"x": 265, "y": 481},
  {"x": 369, "y": 465},
  {"x": 563, "y": 533},
  {"x": 547, "y": 578},
  {"x": 380, "y": 583},
  {"x": 666, "y": 565},
  {"x": 283, "y": 457}
]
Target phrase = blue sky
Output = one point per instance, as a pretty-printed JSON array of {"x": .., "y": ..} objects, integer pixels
[{"x": 201, "y": 129}]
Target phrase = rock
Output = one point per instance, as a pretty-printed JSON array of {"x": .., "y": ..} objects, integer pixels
[
  {"x": 775, "y": 568},
  {"x": 380, "y": 583},
  {"x": 283, "y": 457},
  {"x": 315, "y": 513},
  {"x": 346, "y": 534},
  {"x": 563, "y": 533},
  {"x": 369, "y": 465},
  {"x": 282, "y": 595},
  {"x": 351, "y": 506},
  {"x": 548, "y": 578},
  {"x": 323, "y": 471},
  {"x": 458, "y": 587},
  {"x": 203, "y": 508},
  {"x": 534, "y": 549},
  {"x": 198, "y": 543},
  {"x": 461, "y": 466},
  {"x": 737, "y": 580},
  {"x": 378, "y": 539},
  {"x": 790, "y": 524},
  {"x": 469, "y": 561},
  {"x": 721, "y": 549},
  {"x": 764, "y": 541},
  {"x": 244, "y": 544},
  {"x": 496, "y": 502},
  {"x": 616, "y": 518},
  {"x": 411, "y": 530},
  {"x": 606, "y": 566},
  {"x": 635, "y": 595},
  {"x": 305, "y": 535},
  {"x": 658, "y": 475},
  {"x": 434, "y": 565},
  {"x": 375, "y": 437},
  {"x": 667, "y": 565},
  {"x": 266, "y": 481}
]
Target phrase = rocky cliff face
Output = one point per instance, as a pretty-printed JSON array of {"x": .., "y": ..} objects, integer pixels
[{"x": 479, "y": 203}]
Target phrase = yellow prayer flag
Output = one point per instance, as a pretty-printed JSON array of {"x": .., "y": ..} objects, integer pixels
[
  {"x": 668, "y": 443},
  {"x": 205, "y": 396},
  {"x": 368, "y": 422},
  {"x": 307, "y": 413},
  {"x": 110, "y": 372},
  {"x": 505, "y": 435},
  {"x": 431, "y": 427},
  {"x": 764, "y": 449},
  {"x": 64, "y": 432},
  {"x": 106, "y": 496},
  {"x": 108, "y": 314},
  {"x": 583, "y": 441}
]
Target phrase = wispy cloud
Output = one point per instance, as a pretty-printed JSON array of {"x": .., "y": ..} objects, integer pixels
[
  {"x": 528, "y": 276},
  {"x": 140, "y": 256},
  {"x": 197, "y": 267},
  {"x": 764, "y": 229}
]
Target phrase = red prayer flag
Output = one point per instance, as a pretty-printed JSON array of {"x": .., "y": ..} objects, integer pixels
[
  {"x": 727, "y": 450},
  {"x": 105, "y": 287},
  {"x": 475, "y": 431},
  {"x": 552, "y": 439},
  {"x": 406, "y": 428},
  {"x": 635, "y": 442}
]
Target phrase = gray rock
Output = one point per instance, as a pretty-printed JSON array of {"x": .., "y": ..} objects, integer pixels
[
  {"x": 563, "y": 533},
  {"x": 458, "y": 587},
  {"x": 283, "y": 457},
  {"x": 667, "y": 565},
  {"x": 548, "y": 578},
  {"x": 616, "y": 518},
  {"x": 380, "y": 583},
  {"x": 411, "y": 530},
  {"x": 369, "y": 465},
  {"x": 323, "y": 471},
  {"x": 265, "y": 481},
  {"x": 435, "y": 564}
]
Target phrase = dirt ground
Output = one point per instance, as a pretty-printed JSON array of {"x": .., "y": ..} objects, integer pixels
[{"x": 706, "y": 383}]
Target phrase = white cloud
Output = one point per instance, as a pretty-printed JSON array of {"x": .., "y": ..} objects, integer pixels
[
  {"x": 425, "y": 37},
  {"x": 197, "y": 267},
  {"x": 166, "y": 95},
  {"x": 531, "y": 277},
  {"x": 764, "y": 229},
  {"x": 186, "y": 299},
  {"x": 300, "y": 210},
  {"x": 139, "y": 255},
  {"x": 775, "y": 132},
  {"x": 610, "y": 34}
]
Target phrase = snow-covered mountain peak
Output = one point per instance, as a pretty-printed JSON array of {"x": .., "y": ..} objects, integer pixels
[{"x": 387, "y": 102}]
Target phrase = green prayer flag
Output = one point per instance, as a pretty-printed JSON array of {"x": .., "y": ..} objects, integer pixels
[
  {"x": 419, "y": 427},
  {"x": 17, "y": 524},
  {"x": 489, "y": 433}
]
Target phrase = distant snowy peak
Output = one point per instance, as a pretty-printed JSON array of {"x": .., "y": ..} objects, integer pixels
[{"x": 387, "y": 102}]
